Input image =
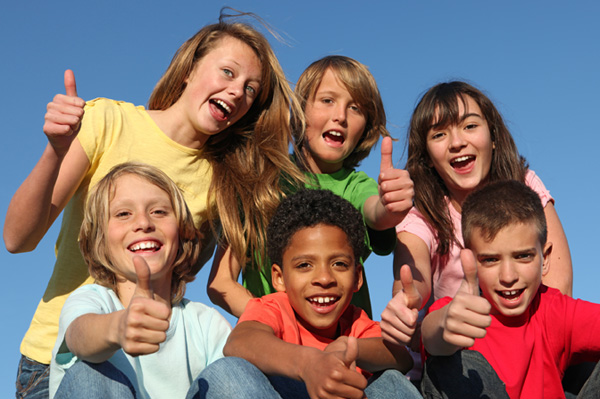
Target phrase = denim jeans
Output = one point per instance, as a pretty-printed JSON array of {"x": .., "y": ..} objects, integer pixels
[
  {"x": 89, "y": 380},
  {"x": 32, "y": 379},
  {"x": 466, "y": 374},
  {"x": 233, "y": 377}
]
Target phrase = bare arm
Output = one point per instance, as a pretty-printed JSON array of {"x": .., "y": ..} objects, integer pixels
[
  {"x": 324, "y": 373},
  {"x": 560, "y": 274},
  {"x": 54, "y": 179},
  {"x": 396, "y": 193},
  {"x": 223, "y": 287},
  {"x": 465, "y": 318},
  {"x": 139, "y": 329},
  {"x": 412, "y": 251}
]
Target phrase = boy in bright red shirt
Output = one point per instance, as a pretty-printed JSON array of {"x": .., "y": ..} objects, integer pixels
[
  {"x": 307, "y": 340},
  {"x": 528, "y": 333}
]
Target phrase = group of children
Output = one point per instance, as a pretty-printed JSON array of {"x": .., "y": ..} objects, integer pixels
[{"x": 145, "y": 193}]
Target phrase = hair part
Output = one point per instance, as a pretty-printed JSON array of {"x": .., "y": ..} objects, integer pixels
[
  {"x": 309, "y": 208},
  {"x": 249, "y": 160},
  {"x": 362, "y": 87},
  {"x": 439, "y": 108},
  {"x": 93, "y": 240},
  {"x": 501, "y": 204}
]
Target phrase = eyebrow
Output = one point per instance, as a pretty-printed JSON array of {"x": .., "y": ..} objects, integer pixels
[{"x": 470, "y": 114}]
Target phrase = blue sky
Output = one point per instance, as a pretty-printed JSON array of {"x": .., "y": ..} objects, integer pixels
[{"x": 538, "y": 61}]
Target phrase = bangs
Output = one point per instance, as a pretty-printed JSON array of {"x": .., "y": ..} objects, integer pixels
[{"x": 445, "y": 110}]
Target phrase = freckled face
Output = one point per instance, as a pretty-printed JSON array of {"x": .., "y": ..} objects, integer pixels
[
  {"x": 510, "y": 267},
  {"x": 319, "y": 274},
  {"x": 334, "y": 125},
  {"x": 222, "y": 87},
  {"x": 462, "y": 154}
]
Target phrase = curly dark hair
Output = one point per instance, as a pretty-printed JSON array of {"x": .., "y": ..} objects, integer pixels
[{"x": 309, "y": 208}]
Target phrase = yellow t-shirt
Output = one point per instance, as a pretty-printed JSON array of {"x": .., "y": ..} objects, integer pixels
[{"x": 113, "y": 132}]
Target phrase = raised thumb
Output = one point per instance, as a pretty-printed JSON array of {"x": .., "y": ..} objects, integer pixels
[
  {"x": 351, "y": 353},
  {"x": 470, "y": 282},
  {"x": 143, "y": 286},
  {"x": 70, "y": 85}
]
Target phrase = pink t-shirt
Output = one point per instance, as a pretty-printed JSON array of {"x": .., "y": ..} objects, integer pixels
[
  {"x": 531, "y": 352},
  {"x": 275, "y": 311},
  {"x": 447, "y": 277}
]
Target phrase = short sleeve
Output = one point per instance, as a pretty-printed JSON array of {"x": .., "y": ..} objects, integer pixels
[
  {"x": 535, "y": 183},
  {"x": 415, "y": 223}
]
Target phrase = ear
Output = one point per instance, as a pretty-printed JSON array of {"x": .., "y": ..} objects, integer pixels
[
  {"x": 358, "y": 270},
  {"x": 546, "y": 262},
  {"x": 277, "y": 278}
]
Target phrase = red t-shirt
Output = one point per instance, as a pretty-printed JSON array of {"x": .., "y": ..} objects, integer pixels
[
  {"x": 275, "y": 311},
  {"x": 531, "y": 352}
]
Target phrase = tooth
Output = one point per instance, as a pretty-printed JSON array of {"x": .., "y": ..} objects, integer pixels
[
  {"x": 320, "y": 300},
  {"x": 224, "y": 105}
]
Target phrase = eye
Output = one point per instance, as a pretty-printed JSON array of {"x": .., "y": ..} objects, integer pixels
[
  {"x": 251, "y": 90},
  {"x": 471, "y": 126},
  {"x": 488, "y": 260},
  {"x": 228, "y": 72},
  {"x": 303, "y": 265},
  {"x": 160, "y": 212},
  {"x": 524, "y": 257},
  {"x": 437, "y": 135},
  {"x": 341, "y": 264},
  {"x": 122, "y": 214},
  {"x": 355, "y": 108},
  {"x": 327, "y": 100}
]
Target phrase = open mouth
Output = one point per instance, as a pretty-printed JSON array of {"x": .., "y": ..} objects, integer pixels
[
  {"x": 462, "y": 162},
  {"x": 222, "y": 107},
  {"x": 334, "y": 137},
  {"x": 510, "y": 295},
  {"x": 145, "y": 246},
  {"x": 323, "y": 301}
]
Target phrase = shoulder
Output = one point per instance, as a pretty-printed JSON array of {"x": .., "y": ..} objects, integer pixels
[
  {"x": 356, "y": 323},
  {"x": 208, "y": 317}
]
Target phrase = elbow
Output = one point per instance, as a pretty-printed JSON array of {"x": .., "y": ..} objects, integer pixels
[{"x": 15, "y": 246}]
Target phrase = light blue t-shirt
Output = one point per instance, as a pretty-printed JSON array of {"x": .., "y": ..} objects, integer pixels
[{"x": 195, "y": 338}]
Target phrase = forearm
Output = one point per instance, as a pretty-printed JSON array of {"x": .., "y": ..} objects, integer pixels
[
  {"x": 94, "y": 337},
  {"x": 30, "y": 213},
  {"x": 560, "y": 274},
  {"x": 377, "y": 217},
  {"x": 257, "y": 343},
  {"x": 374, "y": 354},
  {"x": 432, "y": 334},
  {"x": 223, "y": 288}
]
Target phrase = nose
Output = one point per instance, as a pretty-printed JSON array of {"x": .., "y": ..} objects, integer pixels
[
  {"x": 323, "y": 276},
  {"x": 339, "y": 114},
  {"x": 508, "y": 274},
  {"x": 457, "y": 140},
  {"x": 236, "y": 88},
  {"x": 143, "y": 222}
]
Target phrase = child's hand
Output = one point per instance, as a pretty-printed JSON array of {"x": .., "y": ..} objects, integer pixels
[
  {"x": 395, "y": 185},
  {"x": 63, "y": 116},
  {"x": 399, "y": 318},
  {"x": 145, "y": 322},
  {"x": 333, "y": 374},
  {"x": 468, "y": 314}
]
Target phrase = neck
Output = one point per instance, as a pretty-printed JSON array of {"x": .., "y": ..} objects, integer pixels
[{"x": 170, "y": 122}]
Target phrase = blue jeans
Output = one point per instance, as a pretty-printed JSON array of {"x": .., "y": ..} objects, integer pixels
[
  {"x": 32, "y": 379},
  {"x": 233, "y": 377},
  {"x": 90, "y": 380},
  {"x": 466, "y": 374}
]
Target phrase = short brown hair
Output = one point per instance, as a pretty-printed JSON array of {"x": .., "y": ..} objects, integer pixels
[
  {"x": 500, "y": 204},
  {"x": 92, "y": 236},
  {"x": 361, "y": 85}
]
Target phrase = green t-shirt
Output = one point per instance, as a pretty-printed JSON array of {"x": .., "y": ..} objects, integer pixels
[{"x": 355, "y": 187}]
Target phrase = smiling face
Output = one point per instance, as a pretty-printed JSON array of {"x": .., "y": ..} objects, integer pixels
[
  {"x": 319, "y": 275},
  {"x": 510, "y": 266},
  {"x": 142, "y": 222},
  {"x": 334, "y": 125},
  {"x": 462, "y": 154},
  {"x": 221, "y": 88}
]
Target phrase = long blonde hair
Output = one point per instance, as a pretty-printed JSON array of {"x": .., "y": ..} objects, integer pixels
[
  {"x": 93, "y": 240},
  {"x": 249, "y": 159}
]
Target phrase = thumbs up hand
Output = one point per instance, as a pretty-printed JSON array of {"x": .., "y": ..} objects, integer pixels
[
  {"x": 145, "y": 322},
  {"x": 399, "y": 318},
  {"x": 395, "y": 187},
  {"x": 63, "y": 116},
  {"x": 468, "y": 314}
]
